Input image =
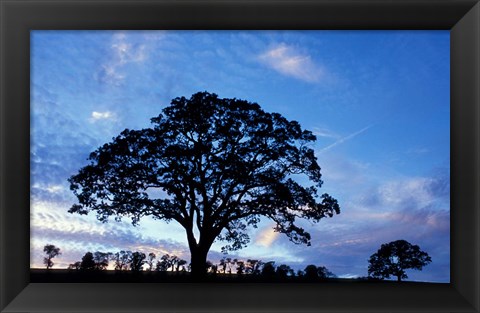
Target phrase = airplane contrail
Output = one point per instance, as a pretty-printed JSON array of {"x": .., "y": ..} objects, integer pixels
[{"x": 343, "y": 139}]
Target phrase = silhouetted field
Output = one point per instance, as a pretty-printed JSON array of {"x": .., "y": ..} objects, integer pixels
[{"x": 76, "y": 276}]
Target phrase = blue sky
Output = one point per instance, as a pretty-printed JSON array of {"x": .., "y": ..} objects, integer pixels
[{"x": 378, "y": 102}]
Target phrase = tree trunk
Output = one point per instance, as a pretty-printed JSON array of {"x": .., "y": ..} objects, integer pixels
[
  {"x": 199, "y": 252},
  {"x": 199, "y": 263},
  {"x": 399, "y": 277}
]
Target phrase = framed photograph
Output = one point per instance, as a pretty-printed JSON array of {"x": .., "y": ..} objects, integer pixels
[{"x": 243, "y": 156}]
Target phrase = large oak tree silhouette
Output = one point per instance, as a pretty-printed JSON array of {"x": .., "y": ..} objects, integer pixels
[{"x": 213, "y": 165}]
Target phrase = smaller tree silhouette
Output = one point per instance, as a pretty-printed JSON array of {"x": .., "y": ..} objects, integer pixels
[
  {"x": 150, "y": 258},
  {"x": 88, "y": 263},
  {"x": 240, "y": 267},
  {"x": 172, "y": 262},
  {"x": 268, "y": 269},
  {"x": 253, "y": 267},
  {"x": 392, "y": 259},
  {"x": 92, "y": 261},
  {"x": 51, "y": 252},
  {"x": 137, "y": 260},
  {"x": 223, "y": 265},
  {"x": 161, "y": 266},
  {"x": 324, "y": 272},
  {"x": 166, "y": 261},
  {"x": 101, "y": 260},
  {"x": 229, "y": 263},
  {"x": 75, "y": 266},
  {"x": 311, "y": 272},
  {"x": 211, "y": 267},
  {"x": 180, "y": 264},
  {"x": 284, "y": 270},
  {"x": 122, "y": 259}
]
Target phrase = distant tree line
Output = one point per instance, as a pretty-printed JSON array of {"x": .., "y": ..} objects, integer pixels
[
  {"x": 138, "y": 261},
  {"x": 125, "y": 260},
  {"x": 392, "y": 259}
]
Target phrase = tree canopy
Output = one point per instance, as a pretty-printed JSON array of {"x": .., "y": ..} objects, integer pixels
[
  {"x": 213, "y": 165},
  {"x": 392, "y": 259}
]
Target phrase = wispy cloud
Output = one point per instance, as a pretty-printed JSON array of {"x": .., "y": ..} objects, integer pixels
[
  {"x": 123, "y": 52},
  {"x": 49, "y": 188},
  {"x": 289, "y": 62},
  {"x": 324, "y": 132},
  {"x": 418, "y": 151},
  {"x": 411, "y": 192},
  {"x": 266, "y": 237},
  {"x": 126, "y": 52},
  {"x": 344, "y": 139},
  {"x": 75, "y": 235},
  {"x": 97, "y": 116}
]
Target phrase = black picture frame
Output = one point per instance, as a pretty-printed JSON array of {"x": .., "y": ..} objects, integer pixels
[{"x": 18, "y": 17}]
